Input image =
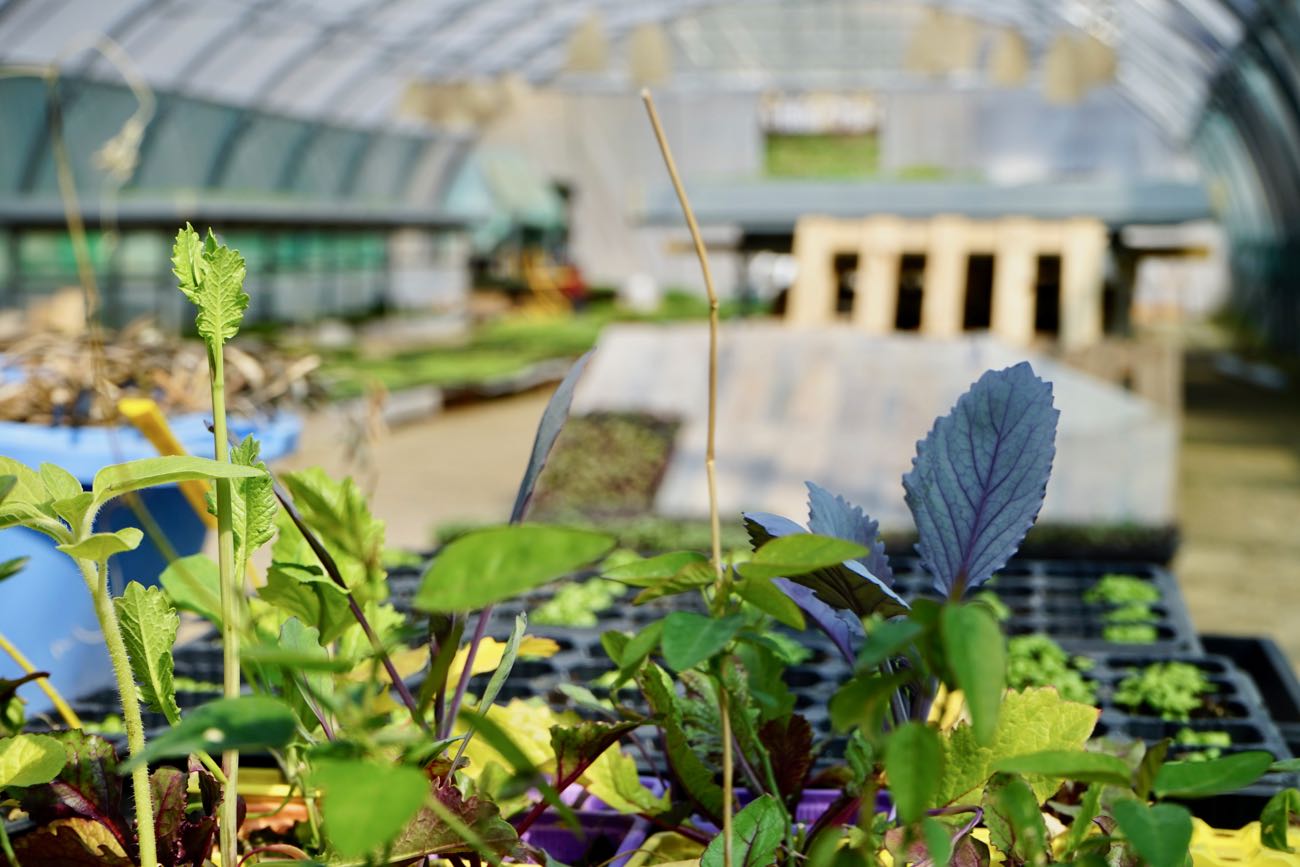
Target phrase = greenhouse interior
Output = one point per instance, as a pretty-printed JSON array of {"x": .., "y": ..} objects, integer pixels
[{"x": 592, "y": 433}]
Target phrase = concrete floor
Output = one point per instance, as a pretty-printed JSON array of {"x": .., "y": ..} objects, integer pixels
[
  {"x": 1239, "y": 503},
  {"x": 1239, "y": 496}
]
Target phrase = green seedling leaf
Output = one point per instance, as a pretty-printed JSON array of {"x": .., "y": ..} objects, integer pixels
[
  {"x": 7, "y": 484},
  {"x": 756, "y": 833},
  {"x": 294, "y": 658},
  {"x": 938, "y": 841},
  {"x": 862, "y": 700},
  {"x": 307, "y": 593},
  {"x": 100, "y": 546},
  {"x": 548, "y": 430},
  {"x": 194, "y": 584},
  {"x": 914, "y": 763},
  {"x": 692, "y": 576},
  {"x": 1211, "y": 777},
  {"x": 799, "y": 554},
  {"x": 310, "y": 686},
  {"x": 689, "y": 638},
  {"x": 59, "y": 483},
  {"x": 976, "y": 654},
  {"x": 118, "y": 479},
  {"x": 212, "y": 276},
  {"x": 74, "y": 508},
  {"x": 10, "y": 568},
  {"x": 253, "y": 504},
  {"x": 696, "y": 777},
  {"x": 1286, "y": 766},
  {"x": 30, "y": 760},
  {"x": 149, "y": 625},
  {"x": 498, "y": 679},
  {"x": 652, "y": 570},
  {"x": 1161, "y": 834},
  {"x": 1152, "y": 760},
  {"x": 449, "y": 822},
  {"x": 250, "y": 722},
  {"x": 1083, "y": 767},
  {"x": 1032, "y": 721},
  {"x": 1089, "y": 809},
  {"x": 887, "y": 639},
  {"x": 485, "y": 567},
  {"x": 366, "y": 805},
  {"x": 638, "y": 649},
  {"x": 1275, "y": 820},
  {"x": 25, "y": 494},
  {"x": 340, "y": 516},
  {"x": 1014, "y": 822},
  {"x": 768, "y": 598}
]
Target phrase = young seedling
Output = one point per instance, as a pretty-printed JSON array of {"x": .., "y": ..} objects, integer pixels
[{"x": 1171, "y": 689}]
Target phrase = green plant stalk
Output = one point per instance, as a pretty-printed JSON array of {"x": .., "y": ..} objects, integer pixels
[
  {"x": 96, "y": 577},
  {"x": 8, "y": 849},
  {"x": 229, "y": 822}
]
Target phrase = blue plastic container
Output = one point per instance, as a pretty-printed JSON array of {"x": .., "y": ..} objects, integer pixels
[{"x": 46, "y": 609}]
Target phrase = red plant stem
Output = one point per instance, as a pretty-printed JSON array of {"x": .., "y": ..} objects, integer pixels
[
  {"x": 480, "y": 628},
  {"x": 332, "y": 569}
]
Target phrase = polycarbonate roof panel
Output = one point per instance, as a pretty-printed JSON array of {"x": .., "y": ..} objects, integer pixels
[{"x": 349, "y": 61}]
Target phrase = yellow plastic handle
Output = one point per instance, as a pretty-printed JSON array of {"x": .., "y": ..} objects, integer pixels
[{"x": 149, "y": 420}]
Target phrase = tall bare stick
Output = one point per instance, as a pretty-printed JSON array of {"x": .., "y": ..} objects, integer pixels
[{"x": 709, "y": 465}]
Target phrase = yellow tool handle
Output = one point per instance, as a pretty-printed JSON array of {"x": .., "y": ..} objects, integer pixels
[{"x": 148, "y": 419}]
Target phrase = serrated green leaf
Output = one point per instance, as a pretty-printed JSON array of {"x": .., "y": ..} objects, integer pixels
[
  {"x": 308, "y": 594},
  {"x": 692, "y": 576},
  {"x": 914, "y": 763},
  {"x": 365, "y": 805},
  {"x": 696, "y": 778},
  {"x": 651, "y": 570},
  {"x": 974, "y": 650},
  {"x": 485, "y": 567},
  {"x": 1212, "y": 776},
  {"x": 799, "y": 554},
  {"x": 768, "y": 598},
  {"x": 194, "y": 584},
  {"x": 1032, "y": 721},
  {"x": 30, "y": 760},
  {"x": 117, "y": 479},
  {"x": 756, "y": 833},
  {"x": 1161, "y": 834},
  {"x": 249, "y": 722},
  {"x": 1275, "y": 820},
  {"x": 211, "y": 275},
  {"x": 149, "y": 625},
  {"x": 689, "y": 638},
  {"x": 100, "y": 546},
  {"x": 253, "y": 503},
  {"x": 1080, "y": 766},
  {"x": 26, "y": 500}
]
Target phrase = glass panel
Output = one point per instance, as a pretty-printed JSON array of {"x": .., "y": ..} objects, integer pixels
[
  {"x": 22, "y": 118},
  {"x": 184, "y": 145},
  {"x": 323, "y": 166},
  {"x": 260, "y": 152},
  {"x": 93, "y": 114}
]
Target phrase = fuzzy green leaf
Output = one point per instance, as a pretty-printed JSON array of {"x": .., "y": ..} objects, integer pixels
[
  {"x": 59, "y": 483},
  {"x": 149, "y": 625},
  {"x": 29, "y": 760},
  {"x": 253, "y": 504},
  {"x": 1161, "y": 834},
  {"x": 26, "y": 499},
  {"x": 914, "y": 762},
  {"x": 799, "y": 554},
  {"x": 485, "y": 567},
  {"x": 366, "y": 804},
  {"x": 100, "y": 546},
  {"x": 117, "y": 479},
  {"x": 976, "y": 654},
  {"x": 690, "y": 638},
  {"x": 212, "y": 276},
  {"x": 756, "y": 833}
]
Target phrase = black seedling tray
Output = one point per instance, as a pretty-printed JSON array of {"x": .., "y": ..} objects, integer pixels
[
  {"x": 1046, "y": 596},
  {"x": 1268, "y": 667}
]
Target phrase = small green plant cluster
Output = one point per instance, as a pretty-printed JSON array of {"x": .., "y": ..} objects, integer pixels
[
  {"x": 1172, "y": 690},
  {"x": 578, "y": 603},
  {"x": 1037, "y": 660},
  {"x": 1129, "y": 617},
  {"x": 1208, "y": 744}
]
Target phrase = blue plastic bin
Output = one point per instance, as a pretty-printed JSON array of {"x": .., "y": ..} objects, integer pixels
[{"x": 46, "y": 610}]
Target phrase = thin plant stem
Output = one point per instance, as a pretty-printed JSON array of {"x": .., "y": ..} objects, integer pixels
[
  {"x": 56, "y": 698},
  {"x": 715, "y": 524},
  {"x": 6, "y": 847},
  {"x": 229, "y": 604},
  {"x": 332, "y": 569},
  {"x": 453, "y": 710},
  {"x": 96, "y": 579}
]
